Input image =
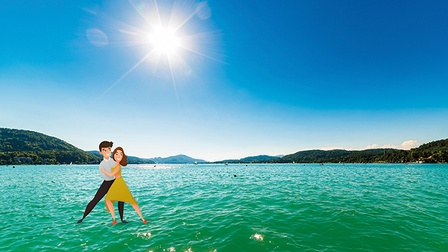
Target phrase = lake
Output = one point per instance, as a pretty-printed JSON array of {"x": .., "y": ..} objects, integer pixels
[{"x": 216, "y": 207}]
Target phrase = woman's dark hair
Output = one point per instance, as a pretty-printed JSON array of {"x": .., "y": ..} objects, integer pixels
[{"x": 124, "y": 160}]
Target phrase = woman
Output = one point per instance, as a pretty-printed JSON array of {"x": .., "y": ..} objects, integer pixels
[{"x": 119, "y": 191}]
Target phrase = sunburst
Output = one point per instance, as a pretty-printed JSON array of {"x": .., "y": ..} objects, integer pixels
[{"x": 167, "y": 38}]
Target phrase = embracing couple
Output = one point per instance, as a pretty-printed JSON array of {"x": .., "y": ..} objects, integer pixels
[{"x": 113, "y": 184}]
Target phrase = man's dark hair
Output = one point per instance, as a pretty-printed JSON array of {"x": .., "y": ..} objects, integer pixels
[{"x": 105, "y": 144}]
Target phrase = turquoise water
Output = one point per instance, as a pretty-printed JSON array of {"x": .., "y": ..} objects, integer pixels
[{"x": 356, "y": 207}]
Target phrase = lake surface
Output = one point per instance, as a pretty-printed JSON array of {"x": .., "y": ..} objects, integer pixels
[{"x": 281, "y": 207}]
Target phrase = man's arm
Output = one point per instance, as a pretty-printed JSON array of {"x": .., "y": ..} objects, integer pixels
[
  {"x": 116, "y": 168},
  {"x": 107, "y": 173}
]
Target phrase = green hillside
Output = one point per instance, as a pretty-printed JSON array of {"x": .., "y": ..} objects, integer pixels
[
  {"x": 178, "y": 159},
  {"x": 29, "y": 147},
  {"x": 433, "y": 152},
  {"x": 251, "y": 159}
]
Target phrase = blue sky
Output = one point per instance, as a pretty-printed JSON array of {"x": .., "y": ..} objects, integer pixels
[{"x": 246, "y": 77}]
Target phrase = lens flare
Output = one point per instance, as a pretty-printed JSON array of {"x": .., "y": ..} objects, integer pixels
[
  {"x": 170, "y": 38},
  {"x": 97, "y": 37}
]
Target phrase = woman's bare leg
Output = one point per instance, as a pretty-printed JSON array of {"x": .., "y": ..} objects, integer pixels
[
  {"x": 137, "y": 209},
  {"x": 110, "y": 206}
]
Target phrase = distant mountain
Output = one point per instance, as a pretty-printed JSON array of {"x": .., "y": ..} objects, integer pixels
[
  {"x": 179, "y": 159},
  {"x": 252, "y": 159},
  {"x": 131, "y": 159},
  {"x": 29, "y": 147},
  {"x": 260, "y": 158},
  {"x": 333, "y": 156}
]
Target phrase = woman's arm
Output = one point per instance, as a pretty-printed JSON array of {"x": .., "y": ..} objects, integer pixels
[{"x": 116, "y": 168}]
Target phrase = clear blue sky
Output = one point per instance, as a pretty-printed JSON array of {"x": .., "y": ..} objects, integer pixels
[{"x": 247, "y": 78}]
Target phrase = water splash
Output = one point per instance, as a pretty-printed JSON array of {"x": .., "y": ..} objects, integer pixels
[
  {"x": 145, "y": 236},
  {"x": 257, "y": 237}
]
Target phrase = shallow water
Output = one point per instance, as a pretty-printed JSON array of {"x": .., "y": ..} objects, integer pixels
[{"x": 281, "y": 207}]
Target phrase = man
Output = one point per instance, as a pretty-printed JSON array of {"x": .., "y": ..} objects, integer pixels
[{"x": 106, "y": 164}]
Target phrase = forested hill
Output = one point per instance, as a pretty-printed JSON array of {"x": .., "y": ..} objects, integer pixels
[
  {"x": 433, "y": 152},
  {"x": 29, "y": 147},
  {"x": 436, "y": 147}
]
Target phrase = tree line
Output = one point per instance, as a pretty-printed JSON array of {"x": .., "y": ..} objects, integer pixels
[{"x": 433, "y": 152}]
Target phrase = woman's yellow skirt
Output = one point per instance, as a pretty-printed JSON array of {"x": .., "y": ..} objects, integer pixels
[{"x": 119, "y": 191}]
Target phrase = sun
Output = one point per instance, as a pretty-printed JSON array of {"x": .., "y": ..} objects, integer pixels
[
  {"x": 164, "y": 40},
  {"x": 171, "y": 42}
]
